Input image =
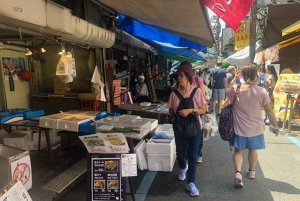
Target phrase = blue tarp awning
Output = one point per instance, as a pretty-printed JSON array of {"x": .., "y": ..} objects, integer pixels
[
  {"x": 149, "y": 33},
  {"x": 169, "y": 48}
]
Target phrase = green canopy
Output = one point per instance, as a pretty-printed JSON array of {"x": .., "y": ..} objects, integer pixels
[{"x": 180, "y": 58}]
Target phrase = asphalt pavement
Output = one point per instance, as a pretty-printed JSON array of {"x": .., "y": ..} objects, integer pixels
[{"x": 277, "y": 176}]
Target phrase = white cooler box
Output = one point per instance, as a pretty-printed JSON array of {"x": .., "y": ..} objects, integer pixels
[
  {"x": 161, "y": 156},
  {"x": 18, "y": 139},
  {"x": 165, "y": 128}
]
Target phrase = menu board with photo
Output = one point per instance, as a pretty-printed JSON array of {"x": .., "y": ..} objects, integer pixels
[
  {"x": 105, "y": 179},
  {"x": 286, "y": 83}
]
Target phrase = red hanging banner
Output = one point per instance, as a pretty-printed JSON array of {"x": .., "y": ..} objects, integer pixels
[{"x": 232, "y": 12}]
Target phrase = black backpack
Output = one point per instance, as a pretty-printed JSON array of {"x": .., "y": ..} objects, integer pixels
[{"x": 189, "y": 126}]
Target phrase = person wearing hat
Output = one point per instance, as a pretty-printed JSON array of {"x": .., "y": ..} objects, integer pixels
[
  {"x": 184, "y": 75},
  {"x": 142, "y": 91}
]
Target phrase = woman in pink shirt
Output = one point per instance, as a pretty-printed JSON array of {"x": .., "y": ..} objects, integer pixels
[
  {"x": 184, "y": 74},
  {"x": 248, "y": 123}
]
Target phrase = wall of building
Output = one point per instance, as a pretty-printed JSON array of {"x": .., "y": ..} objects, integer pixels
[
  {"x": 279, "y": 17},
  {"x": 19, "y": 98}
]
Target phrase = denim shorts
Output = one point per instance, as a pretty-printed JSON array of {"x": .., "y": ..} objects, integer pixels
[{"x": 240, "y": 142}]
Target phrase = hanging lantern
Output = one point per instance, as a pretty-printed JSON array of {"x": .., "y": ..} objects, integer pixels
[{"x": 25, "y": 75}]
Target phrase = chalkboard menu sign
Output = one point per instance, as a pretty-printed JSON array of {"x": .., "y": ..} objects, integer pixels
[{"x": 105, "y": 179}]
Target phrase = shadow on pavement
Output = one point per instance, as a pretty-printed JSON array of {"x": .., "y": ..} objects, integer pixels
[
  {"x": 282, "y": 187},
  {"x": 214, "y": 178}
]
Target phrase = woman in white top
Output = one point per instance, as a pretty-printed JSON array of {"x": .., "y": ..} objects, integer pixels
[
  {"x": 271, "y": 75},
  {"x": 272, "y": 78}
]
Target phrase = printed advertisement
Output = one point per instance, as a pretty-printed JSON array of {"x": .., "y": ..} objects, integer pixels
[
  {"x": 105, "y": 143},
  {"x": 106, "y": 179},
  {"x": 15, "y": 191},
  {"x": 12, "y": 67},
  {"x": 286, "y": 83},
  {"x": 129, "y": 165}
]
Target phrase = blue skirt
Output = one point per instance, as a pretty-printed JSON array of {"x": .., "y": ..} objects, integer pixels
[{"x": 254, "y": 143}]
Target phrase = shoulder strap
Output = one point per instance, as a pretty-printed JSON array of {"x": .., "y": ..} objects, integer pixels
[
  {"x": 178, "y": 94},
  {"x": 236, "y": 93},
  {"x": 193, "y": 93},
  {"x": 197, "y": 81}
]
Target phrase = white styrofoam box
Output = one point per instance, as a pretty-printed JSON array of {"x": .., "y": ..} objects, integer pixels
[
  {"x": 71, "y": 123},
  {"x": 165, "y": 128},
  {"x": 34, "y": 144},
  {"x": 161, "y": 162},
  {"x": 52, "y": 121},
  {"x": 161, "y": 148},
  {"x": 52, "y": 134},
  {"x": 18, "y": 138},
  {"x": 154, "y": 123}
]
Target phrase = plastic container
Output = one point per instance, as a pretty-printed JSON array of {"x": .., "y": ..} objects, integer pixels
[
  {"x": 165, "y": 128},
  {"x": 131, "y": 128},
  {"x": 90, "y": 105}
]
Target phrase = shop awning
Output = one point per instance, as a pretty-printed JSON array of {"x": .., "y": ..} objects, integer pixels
[
  {"x": 148, "y": 33},
  {"x": 240, "y": 58},
  {"x": 174, "y": 50},
  {"x": 187, "y": 20}
]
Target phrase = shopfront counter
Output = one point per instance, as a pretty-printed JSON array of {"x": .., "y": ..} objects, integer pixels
[{"x": 53, "y": 103}]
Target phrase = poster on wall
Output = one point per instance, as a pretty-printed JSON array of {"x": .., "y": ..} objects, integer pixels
[
  {"x": 286, "y": 83},
  {"x": 13, "y": 67}
]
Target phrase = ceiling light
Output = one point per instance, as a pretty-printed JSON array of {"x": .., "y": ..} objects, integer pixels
[
  {"x": 43, "y": 50},
  {"x": 28, "y": 52}
]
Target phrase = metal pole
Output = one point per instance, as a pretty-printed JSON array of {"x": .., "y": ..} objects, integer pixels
[{"x": 253, "y": 31}]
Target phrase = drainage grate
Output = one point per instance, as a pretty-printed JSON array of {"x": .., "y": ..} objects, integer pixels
[{"x": 62, "y": 181}]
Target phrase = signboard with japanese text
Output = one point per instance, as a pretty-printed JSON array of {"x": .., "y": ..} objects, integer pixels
[
  {"x": 105, "y": 143},
  {"x": 15, "y": 191},
  {"x": 105, "y": 179},
  {"x": 286, "y": 83},
  {"x": 242, "y": 36}
]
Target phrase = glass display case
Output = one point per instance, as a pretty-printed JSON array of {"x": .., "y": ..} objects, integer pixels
[{"x": 129, "y": 127}]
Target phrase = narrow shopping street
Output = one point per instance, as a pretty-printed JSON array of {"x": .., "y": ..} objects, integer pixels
[{"x": 277, "y": 176}]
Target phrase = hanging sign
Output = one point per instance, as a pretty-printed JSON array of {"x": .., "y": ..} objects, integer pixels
[
  {"x": 106, "y": 179},
  {"x": 242, "y": 36},
  {"x": 129, "y": 165}
]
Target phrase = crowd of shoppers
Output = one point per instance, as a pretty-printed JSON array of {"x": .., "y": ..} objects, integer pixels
[{"x": 248, "y": 124}]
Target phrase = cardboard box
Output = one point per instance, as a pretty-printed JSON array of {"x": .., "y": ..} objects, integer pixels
[{"x": 61, "y": 87}]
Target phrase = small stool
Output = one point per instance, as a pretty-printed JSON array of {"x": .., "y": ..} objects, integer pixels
[{"x": 90, "y": 105}]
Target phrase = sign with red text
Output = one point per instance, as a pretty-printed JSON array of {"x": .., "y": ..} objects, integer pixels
[
  {"x": 105, "y": 143},
  {"x": 290, "y": 86}
]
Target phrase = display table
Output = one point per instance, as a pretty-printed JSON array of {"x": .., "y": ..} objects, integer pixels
[
  {"x": 142, "y": 109},
  {"x": 33, "y": 123}
]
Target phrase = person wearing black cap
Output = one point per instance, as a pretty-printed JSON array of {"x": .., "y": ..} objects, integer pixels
[{"x": 184, "y": 76}]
